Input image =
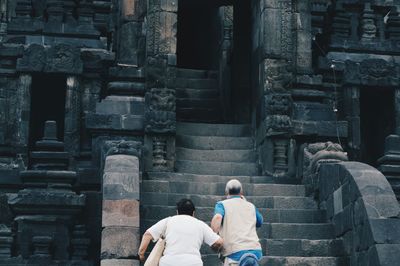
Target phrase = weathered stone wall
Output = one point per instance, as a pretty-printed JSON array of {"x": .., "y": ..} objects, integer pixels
[{"x": 364, "y": 211}]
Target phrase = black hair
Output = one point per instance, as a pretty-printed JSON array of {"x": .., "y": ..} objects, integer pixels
[{"x": 185, "y": 206}]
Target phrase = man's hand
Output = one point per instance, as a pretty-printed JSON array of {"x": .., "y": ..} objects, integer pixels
[
  {"x": 217, "y": 246},
  {"x": 141, "y": 257}
]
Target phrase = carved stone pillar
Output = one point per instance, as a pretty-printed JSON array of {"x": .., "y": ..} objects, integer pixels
[
  {"x": 23, "y": 110},
  {"x": 304, "y": 37},
  {"x": 393, "y": 25},
  {"x": 160, "y": 128},
  {"x": 161, "y": 27},
  {"x": 277, "y": 149},
  {"x": 397, "y": 110},
  {"x": 55, "y": 11},
  {"x": 368, "y": 27},
  {"x": 120, "y": 219},
  {"x": 341, "y": 26},
  {"x": 352, "y": 109},
  {"x": 72, "y": 116}
]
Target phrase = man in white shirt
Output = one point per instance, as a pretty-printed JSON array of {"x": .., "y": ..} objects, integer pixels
[{"x": 184, "y": 236}]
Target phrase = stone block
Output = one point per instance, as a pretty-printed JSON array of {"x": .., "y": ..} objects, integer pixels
[
  {"x": 128, "y": 48},
  {"x": 121, "y": 105},
  {"x": 119, "y": 242},
  {"x": 121, "y": 163},
  {"x": 385, "y": 231},
  {"x": 119, "y": 262},
  {"x": 384, "y": 254},
  {"x": 169, "y": 5},
  {"x": 382, "y": 206},
  {"x": 337, "y": 201},
  {"x": 128, "y": 9},
  {"x": 392, "y": 144},
  {"x": 121, "y": 213}
]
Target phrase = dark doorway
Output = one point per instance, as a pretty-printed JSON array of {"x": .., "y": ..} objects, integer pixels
[
  {"x": 47, "y": 103},
  {"x": 241, "y": 62},
  {"x": 377, "y": 122},
  {"x": 198, "y": 35}
]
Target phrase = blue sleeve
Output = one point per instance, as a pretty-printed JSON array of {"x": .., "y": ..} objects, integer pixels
[
  {"x": 219, "y": 209},
  {"x": 259, "y": 218}
]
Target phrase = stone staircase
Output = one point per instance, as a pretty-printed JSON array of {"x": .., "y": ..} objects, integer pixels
[
  {"x": 197, "y": 95},
  {"x": 294, "y": 232}
]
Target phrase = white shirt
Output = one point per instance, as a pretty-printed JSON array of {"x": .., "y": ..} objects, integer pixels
[{"x": 183, "y": 237}]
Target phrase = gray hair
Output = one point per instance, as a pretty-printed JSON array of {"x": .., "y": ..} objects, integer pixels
[{"x": 233, "y": 187}]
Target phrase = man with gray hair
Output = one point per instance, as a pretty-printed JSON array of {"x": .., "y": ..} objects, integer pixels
[{"x": 236, "y": 219}]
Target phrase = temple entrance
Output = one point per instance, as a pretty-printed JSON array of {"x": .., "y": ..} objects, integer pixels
[
  {"x": 241, "y": 62},
  {"x": 377, "y": 122},
  {"x": 199, "y": 34},
  {"x": 47, "y": 103},
  {"x": 214, "y": 58}
]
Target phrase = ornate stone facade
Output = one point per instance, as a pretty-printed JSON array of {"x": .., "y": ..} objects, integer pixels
[{"x": 115, "y": 78}]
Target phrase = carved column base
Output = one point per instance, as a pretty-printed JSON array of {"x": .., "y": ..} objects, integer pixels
[{"x": 159, "y": 153}]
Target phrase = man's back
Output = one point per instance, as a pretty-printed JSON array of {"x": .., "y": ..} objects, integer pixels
[
  {"x": 239, "y": 226},
  {"x": 184, "y": 236}
]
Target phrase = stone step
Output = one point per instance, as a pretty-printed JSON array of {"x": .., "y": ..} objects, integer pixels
[
  {"x": 303, "y": 261},
  {"x": 196, "y": 93},
  {"x": 214, "y": 143},
  {"x": 218, "y": 189},
  {"x": 216, "y": 168},
  {"x": 216, "y": 155},
  {"x": 155, "y": 212},
  {"x": 296, "y": 248},
  {"x": 275, "y": 202},
  {"x": 304, "y": 247},
  {"x": 197, "y": 103},
  {"x": 196, "y": 83},
  {"x": 311, "y": 231},
  {"x": 213, "y": 260},
  {"x": 185, "y": 177},
  {"x": 194, "y": 73},
  {"x": 218, "y": 130},
  {"x": 210, "y": 115}
]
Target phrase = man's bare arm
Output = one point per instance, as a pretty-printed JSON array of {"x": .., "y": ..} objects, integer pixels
[
  {"x": 216, "y": 222},
  {"x": 147, "y": 237}
]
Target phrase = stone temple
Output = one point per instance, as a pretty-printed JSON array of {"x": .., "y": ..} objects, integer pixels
[{"x": 113, "y": 110}]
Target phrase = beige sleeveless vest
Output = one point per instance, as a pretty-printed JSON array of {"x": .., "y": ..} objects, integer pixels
[{"x": 239, "y": 226}]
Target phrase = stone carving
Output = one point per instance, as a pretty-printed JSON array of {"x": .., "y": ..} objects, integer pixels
[
  {"x": 278, "y": 124},
  {"x": 156, "y": 72},
  {"x": 279, "y": 104},
  {"x": 113, "y": 147},
  {"x": 46, "y": 199},
  {"x": 159, "y": 153},
  {"x": 60, "y": 58},
  {"x": 277, "y": 73},
  {"x": 326, "y": 151},
  {"x": 33, "y": 60},
  {"x": 160, "y": 113},
  {"x": 341, "y": 23},
  {"x": 371, "y": 72},
  {"x": 368, "y": 23},
  {"x": 161, "y": 27},
  {"x": 393, "y": 25},
  {"x": 64, "y": 59}
]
